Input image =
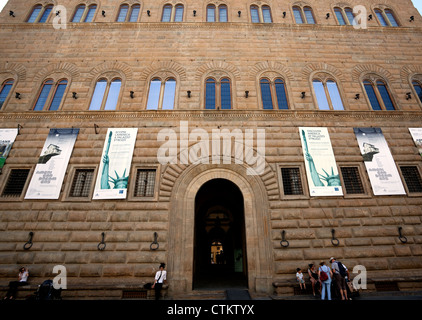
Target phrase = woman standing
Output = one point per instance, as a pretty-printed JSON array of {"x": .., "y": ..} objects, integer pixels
[{"x": 325, "y": 274}]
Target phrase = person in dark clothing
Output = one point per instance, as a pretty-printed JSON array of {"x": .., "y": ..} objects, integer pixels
[
  {"x": 160, "y": 279},
  {"x": 13, "y": 285}
]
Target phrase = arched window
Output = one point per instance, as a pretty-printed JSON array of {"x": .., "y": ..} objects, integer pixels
[
  {"x": 5, "y": 90},
  {"x": 79, "y": 12},
  {"x": 211, "y": 13},
  {"x": 169, "y": 94},
  {"x": 58, "y": 95},
  {"x": 280, "y": 91},
  {"x": 266, "y": 14},
  {"x": 378, "y": 94},
  {"x": 166, "y": 17},
  {"x": 49, "y": 99},
  {"x": 134, "y": 13},
  {"x": 172, "y": 16},
  {"x": 386, "y": 18},
  {"x": 210, "y": 90},
  {"x": 128, "y": 14},
  {"x": 255, "y": 14},
  {"x": 385, "y": 95},
  {"x": 273, "y": 94},
  {"x": 218, "y": 94},
  {"x": 309, "y": 15},
  {"x": 259, "y": 14},
  {"x": 297, "y": 12},
  {"x": 418, "y": 88},
  {"x": 34, "y": 14},
  {"x": 40, "y": 14},
  {"x": 124, "y": 9},
  {"x": 222, "y": 13},
  {"x": 91, "y": 12},
  {"x": 267, "y": 100},
  {"x": 162, "y": 94},
  {"x": 350, "y": 16},
  {"x": 327, "y": 95},
  {"x": 340, "y": 18},
  {"x": 106, "y": 94},
  {"x": 178, "y": 16},
  {"x": 226, "y": 98},
  {"x": 303, "y": 15},
  {"x": 391, "y": 18},
  {"x": 381, "y": 18},
  {"x": 46, "y": 14}
]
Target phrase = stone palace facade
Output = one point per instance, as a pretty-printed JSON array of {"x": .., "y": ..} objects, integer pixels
[{"x": 241, "y": 214}]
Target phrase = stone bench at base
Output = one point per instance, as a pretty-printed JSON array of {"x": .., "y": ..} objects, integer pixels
[{"x": 92, "y": 292}]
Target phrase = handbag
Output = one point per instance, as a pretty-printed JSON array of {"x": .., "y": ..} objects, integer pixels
[{"x": 323, "y": 275}]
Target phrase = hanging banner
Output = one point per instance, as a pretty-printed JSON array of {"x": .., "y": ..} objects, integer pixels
[
  {"x": 382, "y": 170},
  {"x": 417, "y": 138},
  {"x": 113, "y": 174},
  {"x": 48, "y": 176},
  {"x": 321, "y": 167},
  {"x": 7, "y": 138}
]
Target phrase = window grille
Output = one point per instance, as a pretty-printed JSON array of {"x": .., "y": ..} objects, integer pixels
[
  {"x": 15, "y": 183},
  {"x": 292, "y": 182},
  {"x": 145, "y": 183},
  {"x": 352, "y": 181},
  {"x": 81, "y": 184},
  {"x": 412, "y": 178}
]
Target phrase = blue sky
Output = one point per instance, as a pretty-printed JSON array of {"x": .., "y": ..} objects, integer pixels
[{"x": 417, "y": 4}]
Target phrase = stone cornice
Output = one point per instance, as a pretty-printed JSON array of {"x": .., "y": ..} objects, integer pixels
[
  {"x": 5, "y": 27},
  {"x": 232, "y": 115}
]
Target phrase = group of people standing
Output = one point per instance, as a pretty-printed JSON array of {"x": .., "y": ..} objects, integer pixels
[{"x": 323, "y": 276}]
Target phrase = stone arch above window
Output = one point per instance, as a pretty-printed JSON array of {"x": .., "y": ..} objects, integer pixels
[
  {"x": 361, "y": 70},
  {"x": 119, "y": 68},
  {"x": 217, "y": 66},
  {"x": 311, "y": 69},
  {"x": 58, "y": 70},
  {"x": 157, "y": 69},
  {"x": 12, "y": 70}
]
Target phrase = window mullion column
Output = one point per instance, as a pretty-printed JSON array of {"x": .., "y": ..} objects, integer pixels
[
  {"x": 327, "y": 94},
  {"x": 106, "y": 91},
  {"x": 161, "y": 97},
  {"x": 379, "y": 96},
  {"x": 218, "y": 94}
]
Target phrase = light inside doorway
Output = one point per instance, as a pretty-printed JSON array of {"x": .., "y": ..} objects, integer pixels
[{"x": 217, "y": 253}]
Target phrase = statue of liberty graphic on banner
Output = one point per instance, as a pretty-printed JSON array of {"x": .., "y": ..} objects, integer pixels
[
  {"x": 119, "y": 182},
  {"x": 113, "y": 175},
  {"x": 321, "y": 167}
]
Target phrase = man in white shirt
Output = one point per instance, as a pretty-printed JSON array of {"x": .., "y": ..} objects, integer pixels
[{"x": 160, "y": 278}]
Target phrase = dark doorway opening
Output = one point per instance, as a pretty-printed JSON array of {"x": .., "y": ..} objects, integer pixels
[{"x": 220, "y": 241}]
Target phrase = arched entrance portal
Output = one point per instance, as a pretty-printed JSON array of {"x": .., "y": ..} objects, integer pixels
[{"x": 219, "y": 239}]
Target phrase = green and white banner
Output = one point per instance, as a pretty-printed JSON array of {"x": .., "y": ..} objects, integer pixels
[
  {"x": 49, "y": 173},
  {"x": 321, "y": 167},
  {"x": 382, "y": 170},
  {"x": 417, "y": 138},
  {"x": 113, "y": 174},
  {"x": 7, "y": 138}
]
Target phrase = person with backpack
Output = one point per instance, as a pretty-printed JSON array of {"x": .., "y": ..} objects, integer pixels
[
  {"x": 340, "y": 274},
  {"x": 325, "y": 274}
]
